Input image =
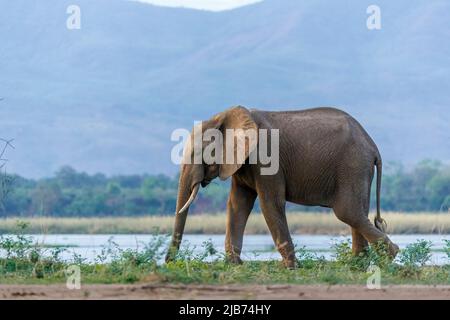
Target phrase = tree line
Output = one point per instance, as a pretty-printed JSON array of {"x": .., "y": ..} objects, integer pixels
[{"x": 425, "y": 187}]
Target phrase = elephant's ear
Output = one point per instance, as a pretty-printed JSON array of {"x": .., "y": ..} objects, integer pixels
[{"x": 244, "y": 139}]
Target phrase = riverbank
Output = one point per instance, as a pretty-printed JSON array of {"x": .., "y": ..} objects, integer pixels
[
  {"x": 24, "y": 262},
  {"x": 233, "y": 292},
  {"x": 299, "y": 223}
]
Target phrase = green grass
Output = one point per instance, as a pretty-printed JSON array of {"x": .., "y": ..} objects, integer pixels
[
  {"x": 24, "y": 262},
  {"x": 299, "y": 223}
]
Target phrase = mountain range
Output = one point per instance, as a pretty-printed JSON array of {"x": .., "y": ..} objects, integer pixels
[{"x": 106, "y": 97}]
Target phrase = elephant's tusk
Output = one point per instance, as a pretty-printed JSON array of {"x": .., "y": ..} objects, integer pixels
[{"x": 191, "y": 198}]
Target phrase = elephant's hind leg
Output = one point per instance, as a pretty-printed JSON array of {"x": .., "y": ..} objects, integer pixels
[
  {"x": 362, "y": 229},
  {"x": 359, "y": 243},
  {"x": 352, "y": 207},
  {"x": 240, "y": 204}
]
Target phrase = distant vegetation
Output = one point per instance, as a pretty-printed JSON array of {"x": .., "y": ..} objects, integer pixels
[
  {"x": 426, "y": 187},
  {"x": 299, "y": 223}
]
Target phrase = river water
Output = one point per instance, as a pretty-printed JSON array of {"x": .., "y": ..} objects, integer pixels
[{"x": 256, "y": 247}]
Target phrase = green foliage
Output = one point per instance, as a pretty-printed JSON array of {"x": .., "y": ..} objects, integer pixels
[
  {"x": 447, "y": 248},
  {"x": 343, "y": 251},
  {"x": 70, "y": 193},
  {"x": 416, "y": 254},
  {"x": 307, "y": 259},
  {"x": 412, "y": 258},
  {"x": 425, "y": 188},
  {"x": 20, "y": 256},
  {"x": 375, "y": 255},
  {"x": 209, "y": 251},
  {"x": 22, "y": 261}
]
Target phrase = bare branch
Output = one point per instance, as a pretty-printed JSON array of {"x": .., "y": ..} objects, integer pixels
[
  {"x": 5, "y": 179},
  {"x": 5, "y": 146}
]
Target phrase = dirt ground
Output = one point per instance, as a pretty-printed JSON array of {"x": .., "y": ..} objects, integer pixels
[{"x": 165, "y": 291}]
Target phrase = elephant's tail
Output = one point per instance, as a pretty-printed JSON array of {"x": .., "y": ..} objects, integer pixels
[{"x": 379, "y": 222}]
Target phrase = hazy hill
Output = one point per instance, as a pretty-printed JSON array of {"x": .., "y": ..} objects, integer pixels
[{"x": 106, "y": 97}]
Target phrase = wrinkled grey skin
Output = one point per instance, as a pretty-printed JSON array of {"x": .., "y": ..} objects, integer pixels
[{"x": 326, "y": 159}]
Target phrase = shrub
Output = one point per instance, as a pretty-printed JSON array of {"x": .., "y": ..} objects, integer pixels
[
  {"x": 306, "y": 259},
  {"x": 21, "y": 255},
  {"x": 375, "y": 254},
  {"x": 447, "y": 248},
  {"x": 416, "y": 254}
]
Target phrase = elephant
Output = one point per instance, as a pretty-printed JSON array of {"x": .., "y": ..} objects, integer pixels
[{"x": 326, "y": 159}]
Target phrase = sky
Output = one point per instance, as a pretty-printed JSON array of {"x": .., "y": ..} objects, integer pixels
[{"x": 211, "y": 5}]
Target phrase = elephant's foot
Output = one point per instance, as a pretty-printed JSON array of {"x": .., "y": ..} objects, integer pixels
[
  {"x": 290, "y": 263},
  {"x": 232, "y": 254},
  {"x": 387, "y": 246},
  {"x": 234, "y": 259},
  {"x": 393, "y": 249},
  {"x": 287, "y": 251}
]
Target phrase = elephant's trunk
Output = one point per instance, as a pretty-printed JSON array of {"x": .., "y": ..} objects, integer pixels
[{"x": 186, "y": 195}]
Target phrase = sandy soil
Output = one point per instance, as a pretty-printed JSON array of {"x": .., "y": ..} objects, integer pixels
[{"x": 165, "y": 291}]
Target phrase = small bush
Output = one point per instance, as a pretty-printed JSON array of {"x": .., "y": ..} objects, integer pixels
[
  {"x": 209, "y": 251},
  {"x": 416, "y": 254},
  {"x": 345, "y": 258},
  {"x": 22, "y": 256},
  {"x": 447, "y": 248},
  {"x": 343, "y": 251},
  {"x": 306, "y": 259},
  {"x": 375, "y": 254}
]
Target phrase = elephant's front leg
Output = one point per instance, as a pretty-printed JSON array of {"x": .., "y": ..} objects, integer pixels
[{"x": 240, "y": 204}]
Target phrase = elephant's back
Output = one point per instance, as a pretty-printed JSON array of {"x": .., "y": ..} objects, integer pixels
[
  {"x": 320, "y": 116},
  {"x": 316, "y": 126},
  {"x": 309, "y": 112},
  {"x": 306, "y": 127}
]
